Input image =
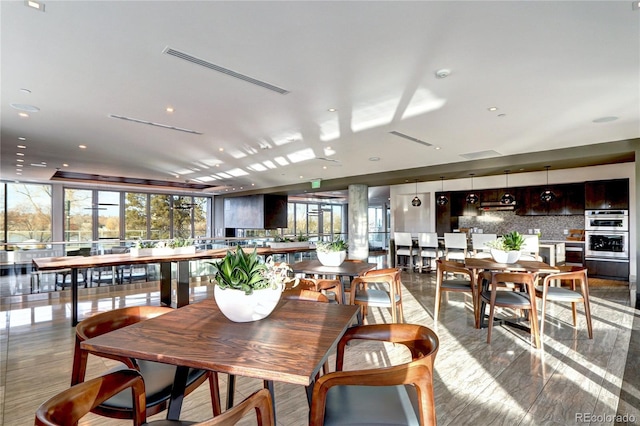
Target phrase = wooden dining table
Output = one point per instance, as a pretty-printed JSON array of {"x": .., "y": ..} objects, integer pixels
[
  {"x": 346, "y": 269},
  {"x": 477, "y": 265},
  {"x": 76, "y": 263},
  {"x": 290, "y": 345}
]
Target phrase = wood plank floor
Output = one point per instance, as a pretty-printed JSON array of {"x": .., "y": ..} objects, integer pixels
[{"x": 506, "y": 382}]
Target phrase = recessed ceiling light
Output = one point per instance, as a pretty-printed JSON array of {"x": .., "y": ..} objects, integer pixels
[
  {"x": 221, "y": 149},
  {"x": 65, "y": 165},
  {"x": 332, "y": 110},
  {"x": 301, "y": 177},
  {"x": 169, "y": 109},
  {"x": 492, "y": 108},
  {"x": 34, "y": 5},
  {"x": 25, "y": 107},
  {"x": 20, "y": 154},
  {"x": 23, "y": 114},
  {"x": 82, "y": 146},
  {"x": 436, "y": 148},
  {"x": 324, "y": 167},
  {"x": 22, "y": 147},
  {"x": 605, "y": 119},
  {"x": 19, "y": 173},
  {"x": 43, "y": 162},
  {"x": 22, "y": 138},
  {"x": 19, "y": 160},
  {"x": 635, "y": 5},
  {"x": 374, "y": 158}
]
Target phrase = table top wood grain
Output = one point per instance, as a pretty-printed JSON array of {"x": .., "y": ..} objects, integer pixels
[
  {"x": 349, "y": 269},
  {"x": 520, "y": 266},
  {"x": 289, "y": 346}
]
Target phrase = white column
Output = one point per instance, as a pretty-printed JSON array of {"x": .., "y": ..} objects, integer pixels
[{"x": 358, "y": 222}]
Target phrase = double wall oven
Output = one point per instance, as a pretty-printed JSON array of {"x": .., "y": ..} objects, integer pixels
[{"x": 607, "y": 235}]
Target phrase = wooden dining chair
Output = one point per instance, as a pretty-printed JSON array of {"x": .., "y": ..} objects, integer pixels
[
  {"x": 392, "y": 395},
  {"x": 549, "y": 293},
  {"x": 158, "y": 377},
  {"x": 453, "y": 276},
  {"x": 331, "y": 288},
  {"x": 514, "y": 290},
  {"x": 381, "y": 288},
  {"x": 70, "y": 405},
  {"x": 304, "y": 294}
]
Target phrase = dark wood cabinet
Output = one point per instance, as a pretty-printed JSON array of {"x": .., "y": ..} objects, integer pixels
[
  {"x": 569, "y": 200},
  {"x": 611, "y": 270},
  {"x": 607, "y": 194},
  {"x": 445, "y": 222}
]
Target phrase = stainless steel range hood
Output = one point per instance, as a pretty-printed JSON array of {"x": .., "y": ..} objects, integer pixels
[{"x": 496, "y": 206}]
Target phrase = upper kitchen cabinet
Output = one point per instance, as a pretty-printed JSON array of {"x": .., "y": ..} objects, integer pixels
[
  {"x": 569, "y": 200},
  {"x": 607, "y": 194},
  {"x": 459, "y": 205}
]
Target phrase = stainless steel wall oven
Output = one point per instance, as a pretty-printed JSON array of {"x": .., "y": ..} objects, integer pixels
[{"x": 607, "y": 245}]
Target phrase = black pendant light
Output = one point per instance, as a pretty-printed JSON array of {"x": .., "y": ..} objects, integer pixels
[
  {"x": 547, "y": 195},
  {"x": 442, "y": 199},
  {"x": 472, "y": 198},
  {"x": 507, "y": 198},
  {"x": 416, "y": 201}
]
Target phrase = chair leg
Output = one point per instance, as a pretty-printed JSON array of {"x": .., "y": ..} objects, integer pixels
[
  {"x": 490, "y": 326},
  {"x": 214, "y": 388},
  {"x": 574, "y": 312},
  {"x": 542, "y": 316}
]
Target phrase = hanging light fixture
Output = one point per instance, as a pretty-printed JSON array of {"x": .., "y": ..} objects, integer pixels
[
  {"x": 416, "y": 201},
  {"x": 507, "y": 198},
  {"x": 442, "y": 199},
  {"x": 547, "y": 195},
  {"x": 472, "y": 198}
]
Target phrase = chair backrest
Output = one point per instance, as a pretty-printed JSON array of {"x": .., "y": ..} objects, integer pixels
[
  {"x": 70, "y": 405},
  {"x": 454, "y": 268},
  {"x": 105, "y": 322},
  {"x": 403, "y": 239},
  {"x": 428, "y": 240},
  {"x": 531, "y": 245},
  {"x": 478, "y": 241},
  {"x": 304, "y": 294},
  {"x": 571, "y": 273},
  {"x": 260, "y": 401},
  {"x": 455, "y": 240},
  {"x": 423, "y": 345}
]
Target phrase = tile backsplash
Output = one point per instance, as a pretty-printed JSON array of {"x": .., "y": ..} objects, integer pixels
[{"x": 502, "y": 222}]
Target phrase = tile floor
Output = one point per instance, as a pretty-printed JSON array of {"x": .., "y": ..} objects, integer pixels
[{"x": 571, "y": 380}]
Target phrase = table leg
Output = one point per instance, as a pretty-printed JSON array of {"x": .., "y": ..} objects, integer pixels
[
  {"x": 183, "y": 283},
  {"x": 177, "y": 393},
  {"x": 165, "y": 283},
  {"x": 231, "y": 388},
  {"x": 74, "y": 296}
]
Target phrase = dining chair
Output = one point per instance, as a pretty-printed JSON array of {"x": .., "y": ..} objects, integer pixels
[
  {"x": 455, "y": 246},
  {"x": 381, "y": 288},
  {"x": 479, "y": 247},
  {"x": 391, "y": 395},
  {"x": 550, "y": 293},
  {"x": 514, "y": 290},
  {"x": 452, "y": 276},
  {"x": 158, "y": 377},
  {"x": 428, "y": 248},
  {"x": 404, "y": 247},
  {"x": 330, "y": 288},
  {"x": 530, "y": 250},
  {"x": 304, "y": 294},
  {"x": 70, "y": 405}
]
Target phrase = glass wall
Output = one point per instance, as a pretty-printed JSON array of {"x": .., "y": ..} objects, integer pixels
[
  {"x": 27, "y": 212},
  {"x": 78, "y": 215},
  {"x": 135, "y": 216},
  {"x": 108, "y": 209},
  {"x": 160, "y": 215},
  {"x": 200, "y": 209}
]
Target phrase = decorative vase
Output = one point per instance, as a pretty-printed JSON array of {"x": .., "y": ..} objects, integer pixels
[
  {"x": 240, "y": 307},
  {"x": 502, "y": 256},
  {"x": 332, "y": 258}
]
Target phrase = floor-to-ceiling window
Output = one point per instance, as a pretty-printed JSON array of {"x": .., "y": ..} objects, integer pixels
[
  {"x": 135, "y": 216},
  {"x": 160, "y": 216},
  {"x": 200, "y": 210},
  {"x": 108, "y": 215},
  {"x": 78, "y": 215},
  {"x": 27, "y": 212}
]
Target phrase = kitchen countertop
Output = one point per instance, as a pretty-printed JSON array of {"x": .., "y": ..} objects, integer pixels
[{"x": 560, "y": 241}]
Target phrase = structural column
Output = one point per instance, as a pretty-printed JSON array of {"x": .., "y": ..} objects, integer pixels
[{"x": 358, "y": 222}]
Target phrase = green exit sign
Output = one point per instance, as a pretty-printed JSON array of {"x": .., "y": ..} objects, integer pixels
[{"x": 315, "y": 184}]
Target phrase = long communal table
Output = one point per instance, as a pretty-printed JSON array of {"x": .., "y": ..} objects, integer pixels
[{"x": 75, "y": 263}]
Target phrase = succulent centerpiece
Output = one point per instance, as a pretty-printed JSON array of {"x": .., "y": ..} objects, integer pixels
[
  {"x": 332, "y": 253},
  {"x": 506, "y": 249}
]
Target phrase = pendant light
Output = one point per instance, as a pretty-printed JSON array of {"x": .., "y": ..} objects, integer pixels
[
  {"x": 472, "y": 198},
  {"x": 547, "y": 195},
  {"x": 507, "y": 198},
  {"x": 442, "y": 199},
  {"x": 416, "y": 201}
]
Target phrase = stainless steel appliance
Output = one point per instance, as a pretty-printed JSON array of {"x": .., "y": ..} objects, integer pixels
[
  {"x": 606, "y": 220},
  {"x": 606, "y": 245}
]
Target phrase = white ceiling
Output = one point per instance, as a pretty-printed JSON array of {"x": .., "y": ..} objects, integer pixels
[{"x": 551, "y": 69}]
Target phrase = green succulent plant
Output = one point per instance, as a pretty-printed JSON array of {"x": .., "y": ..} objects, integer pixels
[
  {"x": 513, "y": 241},
  {"x": 241, "y": 271},
  {"x": 329, "y": 246}
]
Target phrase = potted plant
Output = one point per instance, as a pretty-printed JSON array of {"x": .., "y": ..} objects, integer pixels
[
  {"x": 332, "y": 253},
  {"x": 247, "y": 289},
  {"x": 301, "y": 241},
  {"x": 506, "y": 249}
]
